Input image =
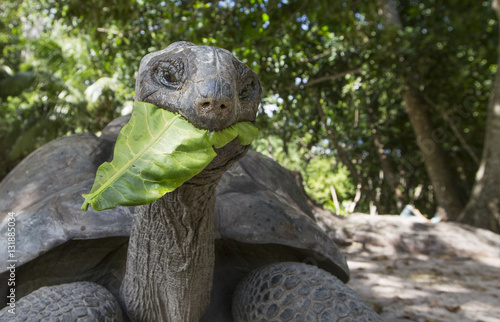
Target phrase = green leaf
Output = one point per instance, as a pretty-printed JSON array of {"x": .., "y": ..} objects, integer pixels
[
  {"x": 246, "y": 132},
  {"x": 220, "y": 139},
  {"x": 157, "y": 151},
  {"x": 265, "y": 17}
]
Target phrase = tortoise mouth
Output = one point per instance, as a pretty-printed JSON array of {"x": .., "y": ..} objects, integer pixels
[
  {"x": 198, "y": 123},
  {"x": 204, "y": 112},
  {"x": 157, "y": 151}
]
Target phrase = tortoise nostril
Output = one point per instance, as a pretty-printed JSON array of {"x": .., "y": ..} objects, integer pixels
[{"x": 209, "y": 105}]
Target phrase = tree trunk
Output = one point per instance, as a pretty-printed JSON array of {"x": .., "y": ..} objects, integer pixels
[
  {"x": 435, "y": 160},
  {"x": 483, "y": 208},
  {"x": 390, "y": 177},
  {"x": 455, "y": 130},
  {"x": 436, "y": 163}
]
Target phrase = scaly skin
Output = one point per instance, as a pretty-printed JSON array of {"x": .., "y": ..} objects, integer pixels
[
  {"x": 171, "y": 255},
  {"x": 297, "y": 292},
  {"x": 82, "y": 301}
]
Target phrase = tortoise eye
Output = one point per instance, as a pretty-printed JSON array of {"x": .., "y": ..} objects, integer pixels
[
  {"x": 247, "y": 90},
  {"x": 168, "y": 77},
  {"x": 170, "y": 73}
]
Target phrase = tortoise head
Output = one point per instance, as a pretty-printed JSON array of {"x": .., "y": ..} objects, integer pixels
[{"x": 207, "y": 85}]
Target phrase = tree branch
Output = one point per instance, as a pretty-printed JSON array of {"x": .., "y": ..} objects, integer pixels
[
  {"x": 340, "y": 151},
  {"x": 457, "y": 133},
  {"x": 389, "y": 175},
  {"x": 343, "y": 156},
  {"x": 496, "y": 6},
  {"x": 320, "y": 80},
  {"x": 318, "y": 56}
]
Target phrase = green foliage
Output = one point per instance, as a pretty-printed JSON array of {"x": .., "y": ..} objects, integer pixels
[
  {"x": 71, "y": 69},
  {"x": 321, "y": 176},
  {"x": 318, "y": 168},
  {"x": 43, "y": 96},
  {"x": 156, "y": 152}
]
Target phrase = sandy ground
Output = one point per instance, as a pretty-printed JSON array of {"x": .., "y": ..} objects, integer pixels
[{"x": 410, "y": 270}]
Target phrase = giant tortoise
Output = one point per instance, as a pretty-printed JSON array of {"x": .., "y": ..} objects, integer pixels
[{"x": 272, "y": 262}]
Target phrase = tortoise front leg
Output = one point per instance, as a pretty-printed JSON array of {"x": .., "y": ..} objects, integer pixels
[
  {"x": 79, "y": 301},
  {"x": 298, "y": 292}
]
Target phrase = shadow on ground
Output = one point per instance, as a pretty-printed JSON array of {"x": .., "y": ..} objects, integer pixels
[{"x": 416, "y": 271}]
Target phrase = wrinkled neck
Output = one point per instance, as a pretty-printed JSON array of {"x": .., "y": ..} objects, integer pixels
[{"x": 171, "y": 256}]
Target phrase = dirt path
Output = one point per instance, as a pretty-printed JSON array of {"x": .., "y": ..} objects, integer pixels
[{"x": 410, "y": 270}]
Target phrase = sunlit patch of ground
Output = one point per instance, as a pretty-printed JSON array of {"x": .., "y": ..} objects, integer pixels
[
  {"x": 443, "y": 273},
  {"x": 424, "y": 288}
]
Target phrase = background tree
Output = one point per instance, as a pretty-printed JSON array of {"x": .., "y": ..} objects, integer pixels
[
  {"x": 483, "y": 208},
  {"x": 340, "y": 79}
]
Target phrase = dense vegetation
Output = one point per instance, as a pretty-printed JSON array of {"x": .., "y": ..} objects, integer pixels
[{"x": 382, "y": 103}]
